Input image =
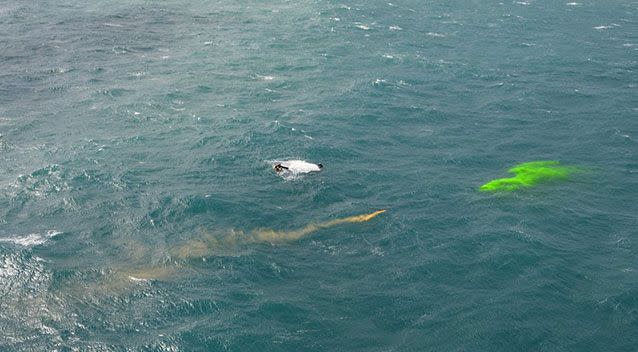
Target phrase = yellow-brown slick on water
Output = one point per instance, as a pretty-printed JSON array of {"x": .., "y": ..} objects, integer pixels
[
  {"x": 203, "y": 246},
  {"x": 272, "y": 236},
  {"x": 209, "y": 244}
]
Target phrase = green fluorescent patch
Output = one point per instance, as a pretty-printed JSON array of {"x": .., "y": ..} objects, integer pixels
[{"x": 529, "y": 174}]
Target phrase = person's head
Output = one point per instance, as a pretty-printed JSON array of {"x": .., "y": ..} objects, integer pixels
[{"x": 320, "y": 166}]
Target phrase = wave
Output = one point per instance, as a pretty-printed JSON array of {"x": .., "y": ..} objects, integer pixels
[{"x": 32, "y": 239}]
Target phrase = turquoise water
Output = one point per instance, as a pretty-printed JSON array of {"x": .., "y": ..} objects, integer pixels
[{"x": 133, "y": 133}]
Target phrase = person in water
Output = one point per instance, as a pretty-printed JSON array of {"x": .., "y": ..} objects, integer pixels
[
  {"x": 297, "y": 166},
  {"x": 279, "y": 168}
]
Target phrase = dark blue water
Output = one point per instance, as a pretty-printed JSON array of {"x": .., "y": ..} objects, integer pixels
[{"x": 135, "y": 141}]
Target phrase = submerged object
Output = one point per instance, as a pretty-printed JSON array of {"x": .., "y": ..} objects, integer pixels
[
  {"x": 529, "y": 174},
  {"x": 296, "y": 167}
]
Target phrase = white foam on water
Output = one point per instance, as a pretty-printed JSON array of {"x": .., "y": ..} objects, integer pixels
[
  {"x": 377, "y": 251},
  {"x": 603, "y": 27},
  {"x": 136, "y": 279},
  {"x": 30, "y": 313},
  {"x": 8, "y": 267},
  {"x": 32, "y": 239}
]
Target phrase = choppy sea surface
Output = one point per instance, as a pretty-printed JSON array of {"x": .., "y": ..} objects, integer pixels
[{"x": 135, "y": 141}]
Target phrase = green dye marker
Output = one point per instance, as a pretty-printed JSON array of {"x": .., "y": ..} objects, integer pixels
[{"x": 529, "y": 174}]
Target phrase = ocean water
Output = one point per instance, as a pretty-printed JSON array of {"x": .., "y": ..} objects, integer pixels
[{"x": 135, "y": 141}]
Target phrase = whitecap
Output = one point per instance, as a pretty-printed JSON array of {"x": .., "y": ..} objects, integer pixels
[
  {"x": 9, "y": 267},
  {"x": 395, "y": 28},
  {"x": 603, "y": 27},
  {"x": 362, "y": 26},
  {"x": 136, "y": 279},
  {"x": 435, "y": 35},
  {"x": 33, "y": 239}
]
